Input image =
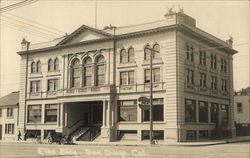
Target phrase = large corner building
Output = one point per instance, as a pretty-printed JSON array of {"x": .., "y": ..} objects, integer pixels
[{"x": 86, "y": 84}]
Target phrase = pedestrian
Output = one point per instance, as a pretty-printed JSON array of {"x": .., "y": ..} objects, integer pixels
[{"x": 19, "y": 136}]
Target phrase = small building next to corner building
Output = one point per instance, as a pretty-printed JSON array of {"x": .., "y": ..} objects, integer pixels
[
  {"x": 9, "y": 109},
  {"x": 86, "y": 84}
]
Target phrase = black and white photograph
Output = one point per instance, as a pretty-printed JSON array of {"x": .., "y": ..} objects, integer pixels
[{"x": 124, "y": 79}]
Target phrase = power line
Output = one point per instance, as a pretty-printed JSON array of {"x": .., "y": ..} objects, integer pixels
[
  {"x": 17, "y": 5},
  {"x": 31, "y": 21},
  {"x": 30, "y": 25}
]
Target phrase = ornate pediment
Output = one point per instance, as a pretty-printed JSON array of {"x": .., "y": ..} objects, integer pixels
[{"x": 84, "y": 33}]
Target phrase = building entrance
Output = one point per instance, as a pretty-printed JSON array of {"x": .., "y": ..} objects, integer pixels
[{"x": 84, "y": 120}]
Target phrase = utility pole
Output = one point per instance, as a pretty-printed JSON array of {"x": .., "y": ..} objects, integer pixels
[{"x": 151, "y": 97}]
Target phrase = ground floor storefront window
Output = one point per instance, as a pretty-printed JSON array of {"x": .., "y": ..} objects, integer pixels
[
  {"x": 127, "y": 110},
  {"x": 203, "y": 112},
  {"x": 33, "y": 134},
  {"x": 158, "y": 112},
  {"x": 203, "y": 134},
  {"x": 190, "y": 110},
  {"x": 191, "y": 135},
  {"x": 9, "y": 128},
  {"x": 127, "y": 134},
  {"x": 34, "y": 113},
  {"x": 224, "y": 114},
  {"x": 50, "y": 112}
]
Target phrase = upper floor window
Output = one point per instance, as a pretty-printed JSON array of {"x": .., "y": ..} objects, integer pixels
[
  {"x": 35, "y": 86},
  {"x": 75, "y": 69},
  {"x": 155, "y": 73},
  {"x": 9, "y": 128},
  {"x": 213, "y": 82},
  {"x": 38, "y": 66},
  {"x": 189, "y": 76},
  {"x": 123, "y": 56},
  {"x": 131, "y": 55},
  {"x": 87, "y": 72},
  {"x": 239, "y": 107},
  {"x": 9, "y": 112},
  {"x": 213, "y": 61},
  {"x": 100, "y": 71},
  {"x": 33, "y": 67},
  {"x": 127, "y": 78},
  {"x": 224, "y": 85},
  {"x": 223, "y": 65},
  {"x": 202, "y": 57},
  {"x": 147, "y": 52},
  {"x": 190, "y": 53},
  {"x": 56, "y": 64},
  {"x": 50, "y": 65},
  {"x": 0, "y": 112},
  {"x": 203, "y": 80},
  {"x": 53, "y": 84},
  {"x": 156, "y": 51}
]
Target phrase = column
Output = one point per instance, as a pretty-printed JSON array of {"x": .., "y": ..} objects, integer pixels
[
  {"x": 65, "y": 121},
  {"x": 197, "y": 111},
  {"x": 209, "y": 112},
  {"x": 58, "y": 114},
  {"x": 103, "y": 114}
]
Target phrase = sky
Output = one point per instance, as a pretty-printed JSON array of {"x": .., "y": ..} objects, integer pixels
[{"x": 219, "y": 18}]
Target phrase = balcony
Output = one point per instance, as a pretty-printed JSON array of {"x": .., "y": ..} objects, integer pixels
[
  {"x": 140, "y": 87},
  {"x": 72, "y": 92}
]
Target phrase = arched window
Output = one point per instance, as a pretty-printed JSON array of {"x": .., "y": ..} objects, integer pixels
[
  {"x": 156, "y": 49},
  {"x": 131, "y": 55},
  {"x": 33, "y": 67},
  {"x": 38, "y": 66},
  {"x": 50, "y": 65},
  {"x": 147, "y": 52},
  {"x": 123, "y": 56},
  {"x": 75, "y": 73},
  {"x": 87, "y": 72},
  {"x": 100, "y": 71},
  {"x": 56, "y": 64}
]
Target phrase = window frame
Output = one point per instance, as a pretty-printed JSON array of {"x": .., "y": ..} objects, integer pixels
[
  {"x": 127, "y": 77},
  {"x": 50, "y": 109},
  {"x": 120, "y": 104},
  {"x": 154, "y": 75},
  {"x": 38, "y": 109}
]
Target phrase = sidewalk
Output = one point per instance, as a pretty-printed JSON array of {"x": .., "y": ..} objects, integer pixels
[
  {"x": 146, "y": 143},
  {"x": 163, "y": 143}
]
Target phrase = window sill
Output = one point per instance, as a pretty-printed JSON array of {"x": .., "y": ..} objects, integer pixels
[
  {"x": 10, "y": 117},
  {"x": 50, "y": 123},
  {"x": 53, "y": 73},
  {"x": 35, "y": 75},
  {"x": 127, "y": 65}
]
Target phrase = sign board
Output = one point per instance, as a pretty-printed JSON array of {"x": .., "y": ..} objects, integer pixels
[{"x": 144, "y": 103}]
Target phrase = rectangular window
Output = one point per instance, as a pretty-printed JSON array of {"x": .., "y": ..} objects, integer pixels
[
  {"x": 53, "y": 84},
  {"x": 239, "y": 108},
  {"x": 202, "y": 57},
  {"x": 157, "y": 135},
  {"x": 34, "y": 113},
  {"x": 189, "y": 76},
  {"x": 213, "y": 61},
  {"x": 203, "y": 112},
  {"x": 190, "y": 53},
  {"x": 191, "y": 135},
  {"x": 213, "y": 82},
  {"x": 156, "y": 75},
  {"x": 157, "y": 111},
  {"x": 9, "y": 112},
  {"x": 224, "y": 85},
  {"x": 214, "y": 113},
  {"x": 9, "y": 128},
  {"x": 76, "y": 77},
  {"x": 0, "y": 112},
  {"x": 35, "y": 86},
  {"x": 50, "y": 112},
  {"x": 223, "y": 65},
  {"x": 127, "y": 78},
  {"x": 203, "y": 80},
  {"x": 224, "y": 114},
  {"x": 127, "y": 110},
  {"x": 190, "y": 110},
  {"x": 203, "y": 134}
]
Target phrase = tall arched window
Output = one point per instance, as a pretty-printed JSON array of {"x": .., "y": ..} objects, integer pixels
[
  {"x": 38, "y": 66},
  {"x": 87, "y": 72},
  {"x": 33, "y": 67},
  {"x": 131, "y": 55},
  {"x": 50, "y": 65},
  {"x": 56, "y": 64},
  {"x": 147, "y": 52},
  {"x": 75, "y": 73},
  {"x": 156, "y": 50},
  {"x": 100, "y": 71},
  {"x": 123, "y": 56}
]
